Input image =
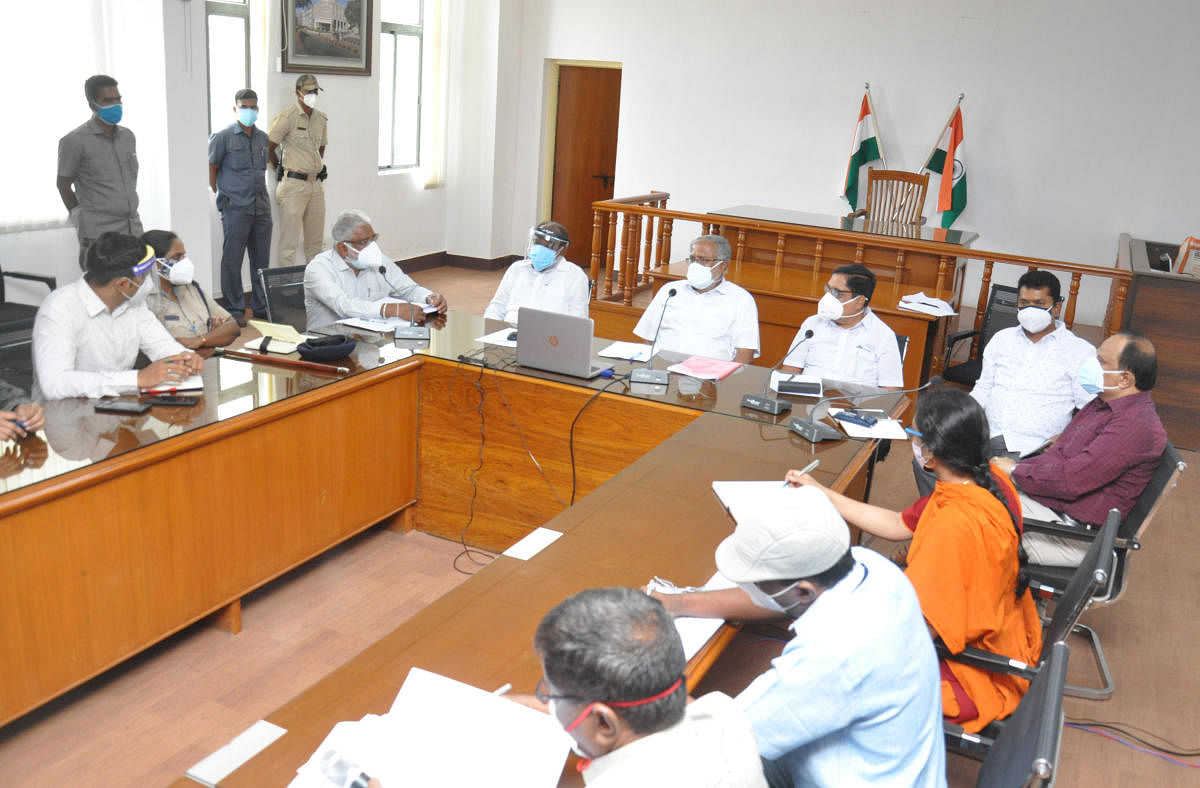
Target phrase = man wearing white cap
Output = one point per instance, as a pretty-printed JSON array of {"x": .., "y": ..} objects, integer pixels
[{"x": 854, "y": 698}]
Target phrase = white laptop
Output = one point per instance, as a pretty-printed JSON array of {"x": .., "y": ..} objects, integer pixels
[{"x": 556, "y": 343}]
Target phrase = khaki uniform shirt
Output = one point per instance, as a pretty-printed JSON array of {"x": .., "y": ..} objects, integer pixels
[
  {"x": 105, "y": 174},
  {"x": 302, "y": 137},
  {"x": 194, "y": 314}
]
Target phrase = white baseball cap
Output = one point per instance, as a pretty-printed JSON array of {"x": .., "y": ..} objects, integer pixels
[{"x": 789, "y": 540}]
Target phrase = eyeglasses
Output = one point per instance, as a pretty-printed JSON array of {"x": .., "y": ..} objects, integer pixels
[
  {"x": 707, "y": 262},
  {"x": 363, "y": 244},
  {"x": 838, "y": 294},
  {"x": 541, "y": 694}
]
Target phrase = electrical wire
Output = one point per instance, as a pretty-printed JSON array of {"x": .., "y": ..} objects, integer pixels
[
  {"x": 571, "y": 434},
  {"x": 1148, "y": 751},
  {"x": 1125, "y": 729},
  {"x": 520, "y": 434},
  {"x": 467, "y": 551}
]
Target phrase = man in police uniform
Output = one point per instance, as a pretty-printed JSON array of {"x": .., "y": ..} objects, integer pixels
[
  {"x": 300, "y": 131},
  {"x": 237, "y": 164}
]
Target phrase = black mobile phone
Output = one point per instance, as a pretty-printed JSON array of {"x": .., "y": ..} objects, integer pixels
[
  {"x": 122, "y": 406},
  {"x": 170, "y": 399}
]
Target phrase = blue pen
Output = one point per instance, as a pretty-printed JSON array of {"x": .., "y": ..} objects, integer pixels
[
  {"x": 20, "y": 424},
  {"x": 812, "y": 466}
]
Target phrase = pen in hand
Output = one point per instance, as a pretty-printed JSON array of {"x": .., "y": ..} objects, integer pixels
[{"x": 812, "y": 466}]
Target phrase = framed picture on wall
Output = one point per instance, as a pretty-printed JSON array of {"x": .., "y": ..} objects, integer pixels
[{"x": 327, "y": 36}]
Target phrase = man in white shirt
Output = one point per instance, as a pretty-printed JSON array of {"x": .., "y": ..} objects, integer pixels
[
  {"x": 354, "y": 279},
  {"x": 1029, "y": 382},
  {"x": 707, "y": 316},
  {"x": 849, "y": 342},
  {"x": 87, "y": 334},
  {"x": 855, "y": 697},
  {"x": 613, "y": 668},
  {"x": 544, "y": 280}
]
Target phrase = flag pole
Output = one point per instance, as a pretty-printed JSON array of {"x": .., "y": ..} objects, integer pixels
[
  {"x": 875, "y": 118},
  {"x": 942, "y": 130}
]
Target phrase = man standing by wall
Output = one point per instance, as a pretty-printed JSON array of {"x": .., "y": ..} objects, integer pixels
[
  {"x": 97, "y": 168},
  {"x": 300, "y": 131},
  {"x": 237, "y": 164}
]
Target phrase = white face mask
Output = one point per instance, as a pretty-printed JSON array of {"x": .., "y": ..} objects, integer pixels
[
  {"x": 575, "y": 748},
  {"x": 310, "y": 100},
  {"x": 832, "y": 309},
  {"x": 700, "y": 276},
  {"x": 370, "y": 256},
  {"x": 765, "y": 600},
  {"x": 142, "y": 291},
  {"x": 1034, "y": 319},
  {"x": 181, "y": 272},
  {"x": 918, "y": 455}
]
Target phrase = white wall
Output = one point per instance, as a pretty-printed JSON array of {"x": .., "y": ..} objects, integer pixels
[{"x": 1078, "y": 116}]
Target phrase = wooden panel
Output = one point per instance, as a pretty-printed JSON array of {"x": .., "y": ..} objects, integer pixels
[
  {"x": 121, "y": 554},
  {"x": 513, "y": 498}
]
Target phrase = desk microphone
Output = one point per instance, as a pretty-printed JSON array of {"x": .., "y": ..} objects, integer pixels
[
  {"x": 659, "y": 377},
  {"x": 811, "y": 429},
  {"x": 764, "y": 401}
]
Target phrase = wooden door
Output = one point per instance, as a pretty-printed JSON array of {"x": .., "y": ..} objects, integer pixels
[{"x": 585, "y": 151}]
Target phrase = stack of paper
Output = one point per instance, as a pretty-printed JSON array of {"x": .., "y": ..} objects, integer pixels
[
  {"x": 433, "y": 722},
  {"x": 377, "y": 325},
  {"x": 695, "y": 632},
  {"x": 919, "y": 302},
  {"x": 705, "y": 368},
  {"x": 630, "y": 351}
]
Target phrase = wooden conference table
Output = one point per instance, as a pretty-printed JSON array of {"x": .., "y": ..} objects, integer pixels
[{"x": 658, "y": 515}]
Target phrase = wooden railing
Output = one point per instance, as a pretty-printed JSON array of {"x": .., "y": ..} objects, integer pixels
[{"x": 645, "y": 226}]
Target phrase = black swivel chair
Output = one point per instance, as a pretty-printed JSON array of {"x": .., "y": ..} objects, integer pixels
[
  {"x": 1128, "y": 542},
  {"x": 285, "y": 295},
  {"x": 16, "y": 331},
  {"x": 1001, "y": 313},
  {"x": 1026, "y": 752}
]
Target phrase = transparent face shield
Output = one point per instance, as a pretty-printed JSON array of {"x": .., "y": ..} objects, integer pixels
[{"x": 545, "y": 247}]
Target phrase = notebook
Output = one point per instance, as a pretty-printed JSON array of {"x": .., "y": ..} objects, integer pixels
[{"x": 556, "y": 343}]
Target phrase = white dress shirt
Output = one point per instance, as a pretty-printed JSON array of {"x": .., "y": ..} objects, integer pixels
[
  {"x": 713, "y": 324},
  {"x": 563, "y": 287},
  {"x": 333, "y": 290},
  {"x": 865, "y": 353},
  {"x": 711, "y": 747},
  {"x": 1030, "y": 389},
  {"x": 80, "y": 349}
]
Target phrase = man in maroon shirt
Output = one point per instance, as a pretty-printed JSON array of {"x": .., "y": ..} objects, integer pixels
[{"x": 1104, "y": 458}]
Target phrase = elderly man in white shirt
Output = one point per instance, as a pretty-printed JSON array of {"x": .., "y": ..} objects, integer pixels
[
  {"x": 544, "y": 280},
  {"x": 1029, "y": 382},
  {"x": 354, "y": 279},
  {"x": 87, "y": 334},
  {"x": 849, "y": 342},
  {"x": 707, "y": 316}
]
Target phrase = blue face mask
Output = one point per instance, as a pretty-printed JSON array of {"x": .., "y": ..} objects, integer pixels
[
  {"x": 247, "y": 115},
  {"x": 542, "y": 257},
  {"x": 1091, "y": 376},
  {"x": 110, "y": 115}
]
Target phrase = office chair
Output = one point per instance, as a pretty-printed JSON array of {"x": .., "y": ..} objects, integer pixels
[
  {"x": 1001, "y": 313},
  {"x": 894, "y": 197},
  {"x": 16, "y": 331},
  {"x": 1127, "y": 542},
  {"x": 1025, "y": 753},
  {"x": 284, "y": 288}
]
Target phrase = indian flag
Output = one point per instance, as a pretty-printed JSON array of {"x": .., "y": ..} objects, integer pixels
[
  {"x": 864, "y": 149},
  {"x": 952, "y": 193}
]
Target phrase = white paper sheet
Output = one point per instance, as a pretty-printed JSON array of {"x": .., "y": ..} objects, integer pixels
[
  {"x": 377, "y": 325},
  {"x": 498, "y": 338},
  {"x": 884, "y": 428},
  {"x": 242, "y": 748},
  {"x": 532, "y": 544},
  {"x": 630, "y": 351},
  {"x": 772, "y": 493},
  {"x": 695, "y": 632},
  {"x": 919, "y": 302}
]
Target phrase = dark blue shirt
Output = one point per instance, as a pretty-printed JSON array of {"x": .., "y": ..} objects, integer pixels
[{"x": 241, "y": 168}]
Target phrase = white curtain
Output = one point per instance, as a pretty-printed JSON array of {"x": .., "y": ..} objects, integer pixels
[{"x": 49, "y": 51}]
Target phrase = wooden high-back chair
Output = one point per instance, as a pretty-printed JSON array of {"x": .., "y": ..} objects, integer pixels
[{"x": 895, "y": 196}]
